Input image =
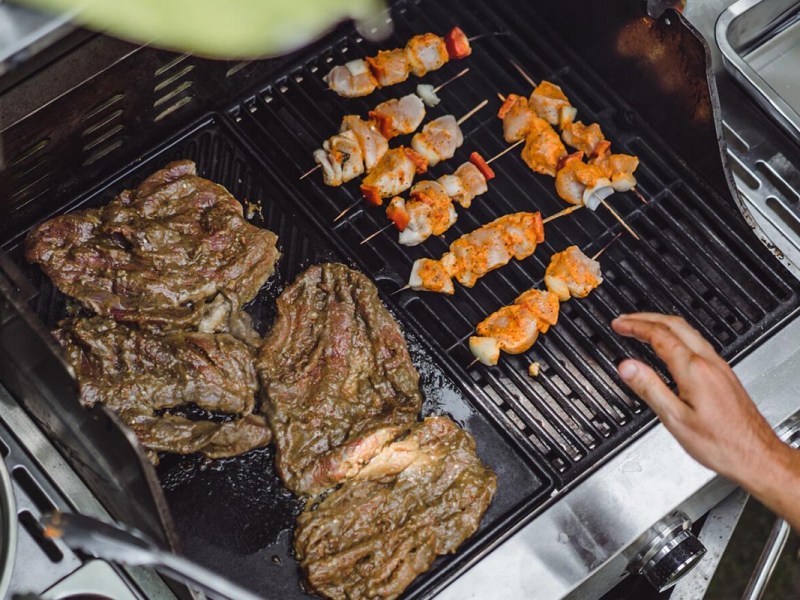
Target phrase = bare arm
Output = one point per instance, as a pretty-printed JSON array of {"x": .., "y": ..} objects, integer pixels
[{"x": 712, "y": 416}]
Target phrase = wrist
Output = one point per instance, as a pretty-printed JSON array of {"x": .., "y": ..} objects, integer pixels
[{"x": 776, "y": 467}]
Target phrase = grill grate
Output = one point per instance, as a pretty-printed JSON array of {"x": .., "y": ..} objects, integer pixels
[
  {"x": 245, "y": 512},
  {"x": 697, "y": 257}
]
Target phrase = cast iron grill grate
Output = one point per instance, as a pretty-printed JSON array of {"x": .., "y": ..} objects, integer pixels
[{"x": 697, "y": 257}]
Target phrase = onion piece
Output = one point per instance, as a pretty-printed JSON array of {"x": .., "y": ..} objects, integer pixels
[{"x": 428, "y": 95}]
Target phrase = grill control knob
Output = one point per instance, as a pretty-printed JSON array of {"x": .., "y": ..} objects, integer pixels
[{"x": 670, "y": 551}]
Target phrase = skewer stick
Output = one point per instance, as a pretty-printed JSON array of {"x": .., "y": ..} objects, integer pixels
[
  {"x": 509, "y": 149},
  {"x": 525, "y": 76},
  {"x": 346, "y": 210},
  {"x": 402, "y": 289},
  {"x": 640, "y": 196},
  {"x": 310, "y": 171},
  {"x": 369, "y": 237},
  {"x": 472, "y": 112},
  {"x": 562, "y": 213},
  {"x": 472, "y": 364},
  {"x": 451, "y": 80},
  {"x": 604, "y": 248},
  {"x": 483, "y": 35},
  {"x": 620, "y": 219}
]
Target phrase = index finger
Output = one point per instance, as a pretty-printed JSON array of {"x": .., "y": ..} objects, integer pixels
[
  {"x": 670, "y": 348},
  {"x": 688, "y": 334}
]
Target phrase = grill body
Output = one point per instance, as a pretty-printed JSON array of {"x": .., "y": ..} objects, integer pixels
[{"x": 252, "y": 127}]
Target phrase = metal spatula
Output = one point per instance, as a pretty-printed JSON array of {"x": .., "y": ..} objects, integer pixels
[{"x": 126, "y": 546}]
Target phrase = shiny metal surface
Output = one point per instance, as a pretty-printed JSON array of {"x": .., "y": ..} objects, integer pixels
[
  {"x": 760, "y": 44},
  {"x": 8, "y": 529},
  {"x": 577, "y": 548},
  {"x": 767, "y": 561},
  {"x": 24, "y": 32}
]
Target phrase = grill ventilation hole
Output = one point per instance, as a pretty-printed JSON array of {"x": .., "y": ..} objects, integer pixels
[
  {"x": 172, "y": 88},
  {"x": 29, "y": 176},
  {"x": 34, "y": 529},
  {"x": 103, "y": 133}
]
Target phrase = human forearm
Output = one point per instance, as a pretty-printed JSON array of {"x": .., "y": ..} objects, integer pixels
[{"x": 776, "y": 482}]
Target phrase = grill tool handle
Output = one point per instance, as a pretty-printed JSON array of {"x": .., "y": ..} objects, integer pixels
[{"x": 127, "y": 546}]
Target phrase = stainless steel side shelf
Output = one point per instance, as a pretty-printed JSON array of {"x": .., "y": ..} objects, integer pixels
[{"x": 760, "y": 45}]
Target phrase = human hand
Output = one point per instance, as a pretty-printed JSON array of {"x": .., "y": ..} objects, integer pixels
[{"x": 712, "y": 416}]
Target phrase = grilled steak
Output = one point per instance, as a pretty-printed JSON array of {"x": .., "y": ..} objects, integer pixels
[
  {"x": 157, "y": 254},
  {"x": 337, "y": 380},
  {"x": 419, "y": 498},
  {"x": 137, "y": 372}
]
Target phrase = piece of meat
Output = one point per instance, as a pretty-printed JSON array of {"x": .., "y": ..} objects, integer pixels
[
  {"x": 572, "y": 274},
  {"x": 351, "y": 79},
  {"x": 517, "y": 117},
  {"x": 582, "y": 137},
  {"x": 618, "y": 168},
  {"x": 389, "y": 66},
  {"x": 581, "y": 183},
  {"x": 420, "y": 498},
  {"x": 179, "y": 435},
  {"x": 438, "y": 140},
  {"x": 335, "y": 371},
  {"x": 128, "y": 368},
  {"x": 372, "y": 143},
  {"x": 136, "y": 373},
  {"x": 398, "y": 117},
  {"x": 432, "y": 276},
  {"x": 543, "y": 148},
  {"x": 393, "y": 175},
  {"x": 157, "y": 254},
  {"x": 341, "y": 158},
  {"x": 548, "y": 102},
  {"x": 426, "y": 52}
]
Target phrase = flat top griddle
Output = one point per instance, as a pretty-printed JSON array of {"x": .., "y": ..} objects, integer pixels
[{"x": 697, "y": 258}]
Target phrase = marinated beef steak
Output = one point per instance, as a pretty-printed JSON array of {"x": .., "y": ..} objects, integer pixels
[
  {"x": 136, "y": 372},
  {"x": 337, "y": 380},
  {"x": 419, "y": 498},
  {"x": 159, "y": 253}
]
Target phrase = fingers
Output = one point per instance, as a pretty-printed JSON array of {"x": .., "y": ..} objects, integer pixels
[
  {"x": 688, "y": 334},
  {"x": 650, "y": 388},
  {"x": 670, "y": 348}
]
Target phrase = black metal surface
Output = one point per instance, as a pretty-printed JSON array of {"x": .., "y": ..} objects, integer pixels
[
  {"x": 234, "y": 515},
  {"x": 697, "y": 258}
]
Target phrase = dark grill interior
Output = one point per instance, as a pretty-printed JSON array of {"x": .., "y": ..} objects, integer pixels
[{"x": 697, "y": 258}]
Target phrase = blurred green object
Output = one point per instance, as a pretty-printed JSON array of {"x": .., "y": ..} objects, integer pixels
[{"x": 220, "y": 28}]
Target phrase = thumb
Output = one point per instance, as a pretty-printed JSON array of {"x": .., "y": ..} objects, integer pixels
[{"x": 651, "y": 388}]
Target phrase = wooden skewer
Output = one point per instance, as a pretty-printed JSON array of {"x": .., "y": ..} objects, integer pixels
[
  {"x": 562, "y": 213},
  {"x": 472, "y": 364},
  {"x": 509, "y": 149},
  {"x": 310, "y": 171},
  {"x": 452, "y": 79},
  {"x": 620, "y": 219},
  {"x": 472, "y": 112},
  {"x": 369, "y": 237},
  {"x": 402, "y": 289},
  {"x": 640, "y": 196},
  {"x": 604, "y": 248},
  {"x": 346, "y": 210},
  {"x": 483, "y": 35}
]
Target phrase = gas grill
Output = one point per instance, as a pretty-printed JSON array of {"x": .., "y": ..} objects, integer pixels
[{"x": 576, "y": 454}]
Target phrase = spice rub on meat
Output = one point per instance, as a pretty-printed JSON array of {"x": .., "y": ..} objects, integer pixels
[
  {"x": 136, "y": 373},
  {"x": 337, "y": 381},
  {"x": 419, "y": 498},
  {"x": 157, "y": 254}
]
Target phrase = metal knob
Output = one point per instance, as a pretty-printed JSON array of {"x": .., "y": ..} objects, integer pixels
[{"x": 670, "y": 551}]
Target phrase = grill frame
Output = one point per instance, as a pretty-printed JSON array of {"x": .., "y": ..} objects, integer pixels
[{"x": 388, "y": 280}]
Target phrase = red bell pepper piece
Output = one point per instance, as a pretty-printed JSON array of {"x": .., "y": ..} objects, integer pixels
[
  {"x": 371, "y": 195},
  {"x": 477, "y": 160},
  {"x": 396, "y": 212},
  {"x": 420, "y": 162},
  {"x": 510, "y": 100},
  {"x": 457, "y": 44}
]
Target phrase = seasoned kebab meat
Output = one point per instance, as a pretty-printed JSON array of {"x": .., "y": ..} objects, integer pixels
[
  {"x": 157, "y": 254},
  {"x": 418, "y": 499},
  {"x": 337, "y": 380},
  {"x": 136, "y": 372}
]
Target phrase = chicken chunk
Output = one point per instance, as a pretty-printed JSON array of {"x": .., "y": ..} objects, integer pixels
[
  {"x": 572, "y": 274},
  {"x": 517, "y": 118},
  {"x": 398, "y": 116},
  {"x": 581, "y": 183},
  {"x": 619, "y": 168},
  {"x": 373, "y": 144},
  {"x": 393, "y": 175},
  {"x": 548, "y": 102},
  {"x": 389, "y": 66},
  {"x": 426, "y": 52},
  {"x": 582, "y": 137},
  {"x": 543, "y": 148},
  {"x": 341, "y": 158},
  {"x": 352, "y": 79},
  {"x": 438, "y": 140}
]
